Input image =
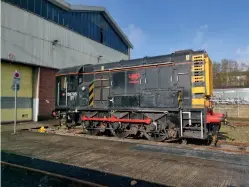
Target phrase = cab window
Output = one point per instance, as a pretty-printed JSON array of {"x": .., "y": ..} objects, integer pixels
[
  {"x": 72, "y": 84},
  {"x": 80, "y": 80},
  {"x": 63, "y": 82}
]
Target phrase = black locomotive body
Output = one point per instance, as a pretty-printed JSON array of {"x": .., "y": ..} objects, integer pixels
[{"x": 160, "y": 98}]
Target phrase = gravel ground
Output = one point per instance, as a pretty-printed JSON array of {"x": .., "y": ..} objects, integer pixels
[{"x": 236, "y": 134}]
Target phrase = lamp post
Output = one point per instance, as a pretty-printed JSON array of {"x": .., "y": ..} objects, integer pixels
[{"x": 99, "y": 57}]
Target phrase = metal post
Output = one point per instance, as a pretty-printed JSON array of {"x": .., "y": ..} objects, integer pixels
[
  {"x": 189, "y": 120},
  {"x": 58, "y": 94},
  {"x": 15, "y": 87},
  {"x": 238, "y": 110},
  {"x": 66, "y": 92},
  {"x": 201, "y": 126},
  {"x": 181, "y": 122},
  {"x": 15, "y": 116}
]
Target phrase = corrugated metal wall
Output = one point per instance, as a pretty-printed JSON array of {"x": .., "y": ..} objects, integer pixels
[
  {"x": 87, "y": 24},
  {"x": 29, "y": 38},
  {"x": 24, "y": 100}
]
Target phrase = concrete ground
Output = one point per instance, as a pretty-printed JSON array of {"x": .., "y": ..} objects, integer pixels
[
  {"x": 125, "y": 160},
  {"x": 26, "y": 125}
]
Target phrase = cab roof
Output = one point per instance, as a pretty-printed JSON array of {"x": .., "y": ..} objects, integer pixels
[{"x": 69, "y": 70}]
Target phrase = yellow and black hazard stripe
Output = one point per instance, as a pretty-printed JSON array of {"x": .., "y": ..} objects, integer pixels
[
  {"x": 179, "y": 98},
  {"x": 91, "y": 94}
]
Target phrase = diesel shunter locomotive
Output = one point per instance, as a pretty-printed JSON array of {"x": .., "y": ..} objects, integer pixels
[{"x": 160, "y": 98}]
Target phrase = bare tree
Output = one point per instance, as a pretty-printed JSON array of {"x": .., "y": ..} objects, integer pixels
[
  {"x": 230, "y": 73},
  {"x": 216, "y": 74}
]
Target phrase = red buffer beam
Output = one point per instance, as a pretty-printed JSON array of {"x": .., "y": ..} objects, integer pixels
[
  {"x": 214, "y": 117},
  {"x": 114, "y": 119}
]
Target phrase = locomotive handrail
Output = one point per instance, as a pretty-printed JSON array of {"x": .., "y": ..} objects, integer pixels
[
  {"x": 134, "y": 67},
  {"x": 201, "y": 126},
  {"x": 66, "y": 93},
  {"x": 125, "y": 68},
  {"x": 143, "y": 65}
]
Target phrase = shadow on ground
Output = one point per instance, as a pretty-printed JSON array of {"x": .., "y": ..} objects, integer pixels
[{"x": 25, "y": 178}]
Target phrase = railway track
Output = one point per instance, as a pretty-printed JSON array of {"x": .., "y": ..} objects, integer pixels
[
  {"x": 222, "y": 146},
  {"x": 23, "y": 173},
  {"x": 240, "y": 124}
]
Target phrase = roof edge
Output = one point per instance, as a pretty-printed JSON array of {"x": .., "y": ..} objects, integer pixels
[{"x": 68, "y": 7}]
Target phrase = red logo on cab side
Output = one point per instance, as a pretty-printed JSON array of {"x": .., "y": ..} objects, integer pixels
[{"x": 134, "y": 78}]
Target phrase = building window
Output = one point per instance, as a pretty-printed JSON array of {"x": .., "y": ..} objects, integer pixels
[
  {"x": 44, "y": 12},
  {"x": 31, "y": 6},
  {"x": 50, "y": 12},
  {"x": 101, "y": 35},
  {"x": 38, "y": 7},
  {"x": 24, "y": 4}
]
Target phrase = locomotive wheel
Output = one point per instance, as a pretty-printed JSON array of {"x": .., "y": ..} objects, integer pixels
[
  {"x": 214, "y": 140},
  {"x": 164, "y": 131},
  {"x": 158, "y": 136},
  {"x": 70, "y": 125},
  {"x": 63, "y": 122},
  {"x": 93, "y": 131},
  {"x": 184, "y": 142},
  {"x": 121, "y": 131},
  {"x": 214, "y": 137},
  {"x": 91, "y": 128}
]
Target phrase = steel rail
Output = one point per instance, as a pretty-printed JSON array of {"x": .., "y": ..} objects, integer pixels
[{"x": 85, "y": 183}]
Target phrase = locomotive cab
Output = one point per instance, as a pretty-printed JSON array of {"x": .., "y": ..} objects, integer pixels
[
  {"x": 72, "y": 92},
  {"x": 67, "y": 81}
]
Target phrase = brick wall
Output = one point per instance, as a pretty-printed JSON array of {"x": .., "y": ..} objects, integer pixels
[{"x": 46, "y": 92}]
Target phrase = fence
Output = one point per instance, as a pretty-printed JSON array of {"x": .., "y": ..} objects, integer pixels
[
  {"x": 233, "y": 101},
  {"x": 234, "y": 110}
]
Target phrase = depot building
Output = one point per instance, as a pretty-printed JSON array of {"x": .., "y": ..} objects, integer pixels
[{"x": 38, "y": 38}]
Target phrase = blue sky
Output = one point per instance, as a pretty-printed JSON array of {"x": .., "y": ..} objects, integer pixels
[{"x": 161, "y": 26}]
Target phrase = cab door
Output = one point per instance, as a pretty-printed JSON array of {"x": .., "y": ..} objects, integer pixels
[
  {"x": 166, "y": 77},
  {"x": 83, "y": 95},
  {"x": 184, "y": 83},
  {"x": 151, "y": 78},
  {"x": 61, "y": 85},
  {"x": 66, "y": 90}
]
